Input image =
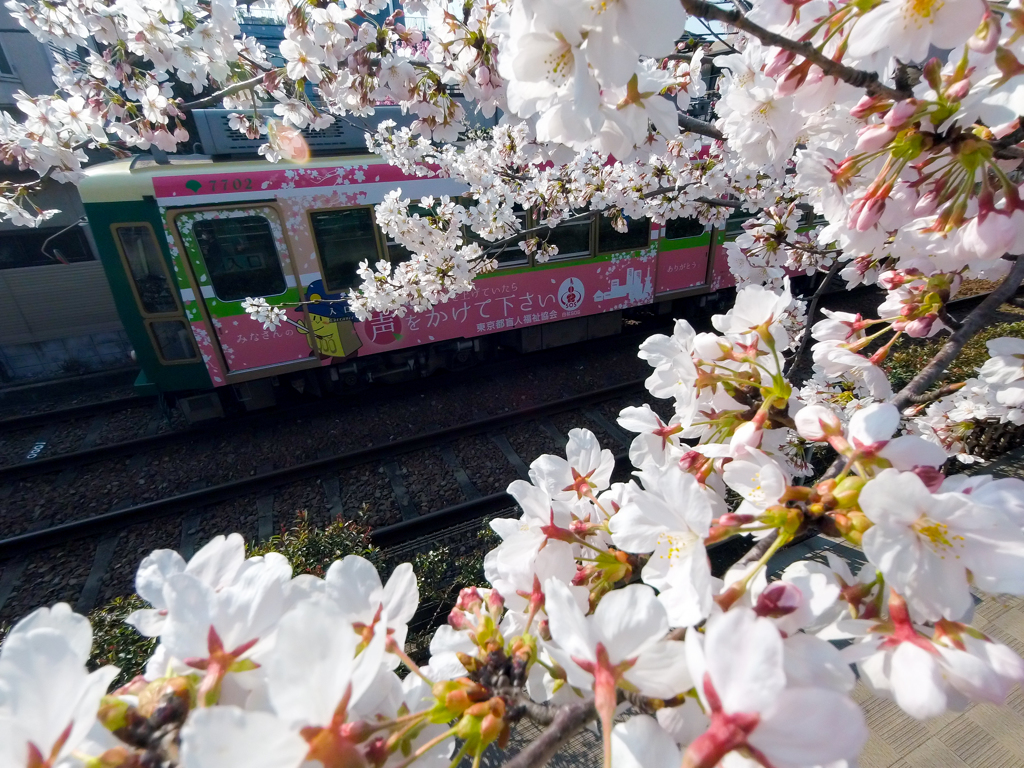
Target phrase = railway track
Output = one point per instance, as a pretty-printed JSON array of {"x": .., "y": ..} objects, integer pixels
[{"x": 195, "y": 506}]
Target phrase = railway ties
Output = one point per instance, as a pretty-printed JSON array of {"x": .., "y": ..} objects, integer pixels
[{"x": 471, "y": 491}]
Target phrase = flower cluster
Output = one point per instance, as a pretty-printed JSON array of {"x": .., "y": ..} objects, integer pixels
[
  {"x": 997, "y": 393},
  {"x": 600, "y": 594},
  {"x": 262, "y": 312}
]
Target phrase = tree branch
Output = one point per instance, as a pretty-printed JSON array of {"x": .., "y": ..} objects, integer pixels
[
  {"x": 569, "y": 720},
  {"x": 971, "y": 324},
  {"x": 231, "y": 90},
  {"x": 805, "y": 336},
  {"x": 856, "y": 77},
  {"x": 693, "y": 125}
]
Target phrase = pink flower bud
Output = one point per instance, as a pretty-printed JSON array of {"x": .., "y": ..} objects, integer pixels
[
  {"x": 732, "y": 520},
  {"x": 892, "y": 279},
  {"x": 779, "y": 63},
  {"x": 415, "y": 37},
  {"x": 483, "y": 76},
  {"x": 901, "y": 112},
  {"x": 778, "y": 599},
  {"x": 458, "y": 619},
  {"x": 495, "y": 602},
  {"x": 817, "y": 422},
  {"x": 864, "y": 107},
  {"x": 874, "y": 137},
  {"x": 469, "y": 599},
  {"x": 920, "y": 327},
  {"x": 869, "y": 214},
  {"x": 986, "y": 36},
  {"x": 958, "y": 90}
]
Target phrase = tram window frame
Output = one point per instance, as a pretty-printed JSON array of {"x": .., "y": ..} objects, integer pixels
[
  {"x": 734, "y": 217},
  {"x": 158, "y": 349},
  {"x": 521, "y": 257},
  {"x": 172, "y": 287},
  {"x": 275, "y": 260},
  {"x": 574, "y": 255},
  {"x": 601, "y": 219},
  {"x": 149, "y": 319},
  {"x": 375, "y": 234},
  {"x": 689, "y": 220}
]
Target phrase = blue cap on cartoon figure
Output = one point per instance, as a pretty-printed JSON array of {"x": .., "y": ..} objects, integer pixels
[{"x": 317, "y": 295}]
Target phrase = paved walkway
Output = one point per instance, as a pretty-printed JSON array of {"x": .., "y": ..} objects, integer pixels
[{"x": 982, "y": 736}]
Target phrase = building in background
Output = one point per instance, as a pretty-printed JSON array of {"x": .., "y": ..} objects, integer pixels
[{"x": 57, "y": 316}]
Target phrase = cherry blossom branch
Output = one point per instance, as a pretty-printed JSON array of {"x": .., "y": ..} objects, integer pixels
[
  {"x": 231, "y": 90},
  {"x": 856, "y": 77},
  {"x": 971, "y": 325},
  {"x": 566, "y": 724}
]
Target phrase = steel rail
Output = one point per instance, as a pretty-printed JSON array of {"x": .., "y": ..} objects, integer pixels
[
  {"x": 83, "y": 411},
  {"x": 31, "y": 541}
]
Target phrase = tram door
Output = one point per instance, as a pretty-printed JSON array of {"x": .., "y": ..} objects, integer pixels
[{"x": 239, "y": 253}]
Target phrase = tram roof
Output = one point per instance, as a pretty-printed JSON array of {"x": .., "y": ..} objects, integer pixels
[{"x": 132, "y": 179}]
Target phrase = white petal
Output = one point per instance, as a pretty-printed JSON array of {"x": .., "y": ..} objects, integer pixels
[
  {"x": 811, "y": 726},
  {"x": 917, "y": 682},
  {"x": 627, "y": 619},
  {"x": 569, "y": 627},
  {"x": 641, "y": 743},
  {"x": 227, "y": 737},
  {"x": 744, "y": 660},
  {"x": 401, "y": 595}
]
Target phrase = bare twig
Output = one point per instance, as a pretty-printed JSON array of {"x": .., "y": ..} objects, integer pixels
[
  {"x": 716, "y": 36},
  {"x": 568, "y": 721},
  {"x": 971, "y": 324},
  {"x": 541, "y": 714},
  {"x": 856, "y": 77},
  {"x": 935, "y": 394},
  {"x": 718, "y": 202},
  {"x": 757, "y": 551}
]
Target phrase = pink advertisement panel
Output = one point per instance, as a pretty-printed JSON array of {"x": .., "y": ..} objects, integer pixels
[
  {"x": 505, "y": 302},
  {"x": 683, "y": 268},
  {"x": 721, "y": 277},
  {"x": 194, "y": 188}
]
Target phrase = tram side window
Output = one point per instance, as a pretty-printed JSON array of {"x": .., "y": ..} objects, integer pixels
[
  {"x": 680, "y": 227},
  {"x": 572, "y": 239},
  {"x": 508, "y": 253},
  {"x": 173, "y": 340},
  {"x": 397, "y": 253},
  {"x": 147, "y": 269},
  {"x": 734, "y": 224},
  {"x": 343, "y": 239},
  {"x": 241, "y": 257},
  {"x": 610, "y": 240}
]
